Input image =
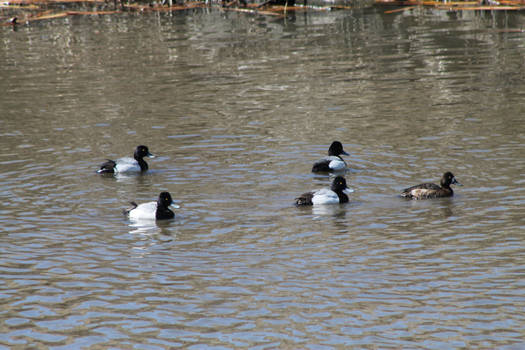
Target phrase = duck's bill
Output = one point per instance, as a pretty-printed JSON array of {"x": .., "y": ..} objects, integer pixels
[
  {"x": 455, "y": 182},
  {"x": 176, "y": 206},
  {"x": 348, "y": 190},
  {"x": 346, "y": 154},
  {"x": 149, "y": 155}
]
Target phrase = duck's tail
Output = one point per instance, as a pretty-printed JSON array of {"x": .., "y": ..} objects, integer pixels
[
  {"x": 133, "y": 206},
  {"x": 108, "y": 167}
]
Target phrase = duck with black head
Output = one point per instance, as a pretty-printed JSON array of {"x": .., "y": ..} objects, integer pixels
[
  {"x": 332, "y": 163},
  {"x": 336, "y": 194},
  {"x": 430, "y": 190},
  {"x": 158, "y": 210},
  {"x": 127, "y": 164}
]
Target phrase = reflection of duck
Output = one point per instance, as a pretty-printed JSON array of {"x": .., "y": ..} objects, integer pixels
[
  {"x": 447, "y": 212},
  {"x": 333, "y": 162},
  {"x": 158, "y": 210},
  {"x": 336, "y": 211},
  {"x": 161, "y": 229},
  {"x": 142, "y": 227},
  {"x": 336, "y": 194},
  {"x": 430, "y": 190},
  {"x": 127, "y": 164}
]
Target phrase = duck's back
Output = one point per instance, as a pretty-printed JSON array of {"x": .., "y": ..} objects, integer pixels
[
  {"x": 325, "y": 196},
  {"x": 126, "y": 165},
  {"x": 144, "y": 211}
]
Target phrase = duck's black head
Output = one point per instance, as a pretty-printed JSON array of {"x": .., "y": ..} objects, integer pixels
[
  {"x": 340, "y": 188},
  {"x": 164, "y": 200},
  {"x": 336, "y": 149},
  {"x": 142, "y": 151},
  {"x": 339, "y": 184},
  {"x": 449, "y": 179}
]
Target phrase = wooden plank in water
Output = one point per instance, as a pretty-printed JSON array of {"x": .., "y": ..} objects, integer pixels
[
  {"x": 406, "y": 8},
  {"x": 37, "y": 2},
  {"x": 7, "y": 5},
  {"x": 483, "y": 8},
  {"x": 47, "y": 16}
]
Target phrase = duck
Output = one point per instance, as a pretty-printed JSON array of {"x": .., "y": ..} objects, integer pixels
[
  {"x": 158, "y": 210},
  {"x": 430, "y": 190},
  {"x": 333, "y": 162},
  {"x": 127, "y": 164},
  {"x": 336, "y": 194}
]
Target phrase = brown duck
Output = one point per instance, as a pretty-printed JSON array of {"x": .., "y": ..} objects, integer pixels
[{"x": 430, "y": 190}]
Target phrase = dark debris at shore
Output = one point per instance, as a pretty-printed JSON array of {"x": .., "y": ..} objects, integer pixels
[{"x": 20, "y": 12}]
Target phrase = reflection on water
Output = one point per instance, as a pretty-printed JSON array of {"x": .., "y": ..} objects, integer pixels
[
  {"x": 237, "y": 108},
  {"x": 151, "y": 227},
  {"x": 336, "y": 211}
]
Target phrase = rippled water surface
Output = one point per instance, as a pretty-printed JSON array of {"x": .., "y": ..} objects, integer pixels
[{"x": 237, "y": 108}]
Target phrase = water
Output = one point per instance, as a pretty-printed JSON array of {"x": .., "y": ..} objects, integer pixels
[{"x": 237, "y": 108}]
